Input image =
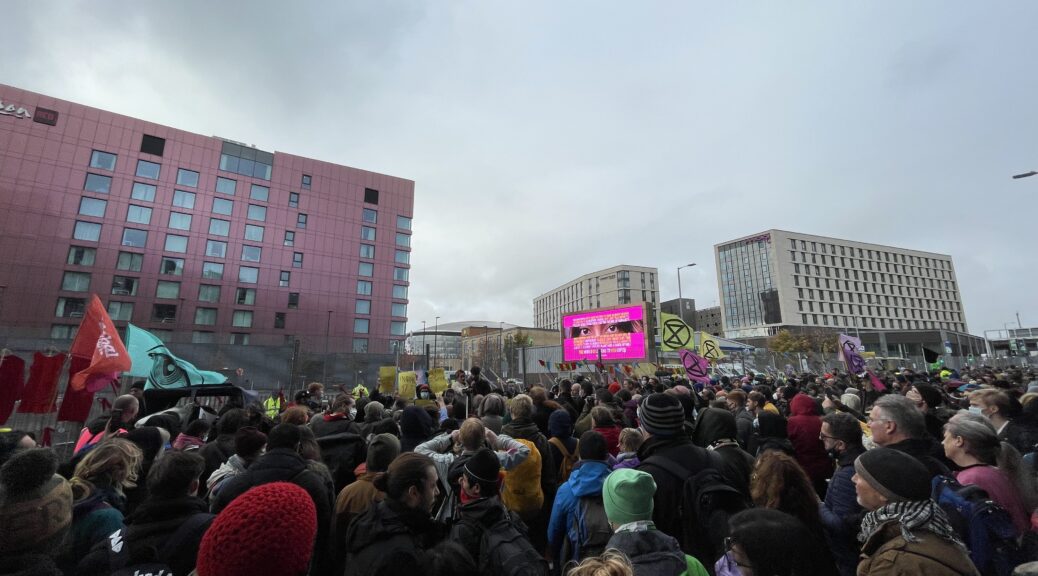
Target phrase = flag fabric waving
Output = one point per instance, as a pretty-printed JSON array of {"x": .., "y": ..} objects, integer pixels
[
  {"x": 930, "y": 356},
  {"x": 152, "y": 359},
  {"x": 675, "y": 334},
  {"x": 98, "y": 340},
  {"x": 709, "y": 348},
  {"x": 849, "y": 353},
  {"x": 877, "y": 384},
  {"x": 697, "y": 367}
]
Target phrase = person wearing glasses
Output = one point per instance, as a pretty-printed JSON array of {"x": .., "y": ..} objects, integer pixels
[
  {"x": 896, "y": 423},
  {"x": 840, "y": 512},
  {"x": 768, "y": 542}
]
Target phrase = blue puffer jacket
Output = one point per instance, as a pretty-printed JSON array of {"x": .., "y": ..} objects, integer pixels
[
  {"x": 585, "y": 480},
  {"x": 841, "y": 514}
]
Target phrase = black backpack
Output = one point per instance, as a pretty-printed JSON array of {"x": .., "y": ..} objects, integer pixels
[
  {"x": 505, "y": 550},
  {"x": 592, "y": 525},
  {"x": 122, "y": 561},
  {"x": 707, "y": 501}
]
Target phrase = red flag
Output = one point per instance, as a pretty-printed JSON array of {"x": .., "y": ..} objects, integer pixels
[
  {"x": 98, "y": 340},
  {"x": 877, "y": 384},
  {"x": 542, "y": 363}
]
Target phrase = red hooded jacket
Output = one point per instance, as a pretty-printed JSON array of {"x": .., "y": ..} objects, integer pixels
[{"x": 804, "y": 426}]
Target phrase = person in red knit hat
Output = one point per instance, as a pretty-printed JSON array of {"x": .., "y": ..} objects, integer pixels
[{"x": 268, "y": 530}]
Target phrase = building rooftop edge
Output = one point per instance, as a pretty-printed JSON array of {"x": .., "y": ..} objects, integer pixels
[{"x": 816, "y": 236}]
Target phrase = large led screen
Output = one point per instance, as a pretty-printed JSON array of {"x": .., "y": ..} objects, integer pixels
[{"x": 616, "y": 333}]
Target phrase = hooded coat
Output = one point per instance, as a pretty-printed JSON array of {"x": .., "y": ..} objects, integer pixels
[
  {"x": 388, "y": 540},
  {"x": 285, "y": 465},
  {"x": 716, "y": 430},
  {"x": 560, "y": 426},
  {"x": 151, "y": 526},
  {"x": 585, "y": 480},
  {"x": 772, "y": 434},
  {"x": 804, "y": 427},
  {"x": 416, "y": 426},
  {"x": 653, "y": 553}
]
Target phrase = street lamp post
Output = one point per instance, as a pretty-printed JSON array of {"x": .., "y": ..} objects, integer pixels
[
  {"x": 436, "y": 333},
  {"x": 327, "y": 338},
  {"x": 681, "y": 302}
]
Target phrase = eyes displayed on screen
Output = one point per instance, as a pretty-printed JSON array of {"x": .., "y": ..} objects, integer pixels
[
  {"x": 596, "y": 330},
  {"x": 604, "y": 329}
]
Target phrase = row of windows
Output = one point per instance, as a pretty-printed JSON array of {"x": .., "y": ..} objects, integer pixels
[
  {"x": 853, "y": 322},
  {"x": 870, "y": 290},
  {"x": 136, "y": 238},
  {"x": 880, "y": 311},
  {"x": 871, "y": 254},
  {"x": 206, "y": 316},
  {"x": 883, "y": 277},
  {"x": 189, "y": 178},
  {"x": 867, "y": 265},
  {"x": 127, "y": 286}
]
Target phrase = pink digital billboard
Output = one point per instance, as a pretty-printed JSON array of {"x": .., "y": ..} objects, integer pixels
[{"x": 615, "y": 333}]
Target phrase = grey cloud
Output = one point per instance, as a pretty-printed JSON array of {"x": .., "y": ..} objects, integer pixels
[{"x": 550, "y": 139}]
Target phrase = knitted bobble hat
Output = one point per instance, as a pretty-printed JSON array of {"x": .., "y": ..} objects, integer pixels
[
  {"x": 35, "y": 503},
  {"x": 268, "y": 530},
  {"x": 661, "y": 415}
]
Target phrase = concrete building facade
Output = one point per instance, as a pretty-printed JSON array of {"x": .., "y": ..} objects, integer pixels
[
  {"x": 684, "y": 308},
  {"x": 613, "y": 286},
  {"x": 197, "y": 239},
  {"x": 709, "y": 320},
  {"x": 778, "y": 279}
]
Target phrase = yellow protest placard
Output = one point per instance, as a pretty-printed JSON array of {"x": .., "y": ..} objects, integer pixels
[
  {"x": 387, "y": 379},
  {"x": 408, "y": 381},
  {"x": 645, "y": 369},
  {"x": 437, "y": 380}
]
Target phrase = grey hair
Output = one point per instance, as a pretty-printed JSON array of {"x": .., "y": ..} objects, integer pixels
[
  {"x": 981, "y": 442},
  {"x": 493, "y": 405},
  {"x": 981, "y": 438},
  {"x": 373, "y": 411},
  {"x": 903, "y": 412}
]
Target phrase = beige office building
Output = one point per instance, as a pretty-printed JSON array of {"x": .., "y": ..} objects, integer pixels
[
  {"x": 614, "y": 286},
  {"x": 777, "y": 279}
]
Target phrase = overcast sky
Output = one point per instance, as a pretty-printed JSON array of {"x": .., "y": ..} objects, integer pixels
[{"x": 551, "y": 139}]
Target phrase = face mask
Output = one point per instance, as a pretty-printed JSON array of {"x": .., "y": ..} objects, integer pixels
[
  {"x": 353, "y": 413},
  {"x": 976, "y": 410},
  {"x": 833, "y": 453},
  {"x": 425, "y": 395}
]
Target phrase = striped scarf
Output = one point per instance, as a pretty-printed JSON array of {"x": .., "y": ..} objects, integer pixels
[{"x": 913, "y": 516}]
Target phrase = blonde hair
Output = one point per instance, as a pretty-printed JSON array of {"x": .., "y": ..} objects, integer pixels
[
  {"x": 521, "y": 407},
  {"x": 631, "y": 439},
  {"x": 471, "y": 433},
  {"x": 114, "y": 462},
  {"x": 610, "y": 563}
]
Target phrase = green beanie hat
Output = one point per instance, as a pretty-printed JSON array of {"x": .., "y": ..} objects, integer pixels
[{"x": 627, "y": 496}]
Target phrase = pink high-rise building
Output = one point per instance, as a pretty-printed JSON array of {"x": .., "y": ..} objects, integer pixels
[{"x": 195, "y": 238}]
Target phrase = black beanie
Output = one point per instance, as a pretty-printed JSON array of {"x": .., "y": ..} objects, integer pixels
[
  {"x": 895, "y": 475},
  {"x": 483, "y": 466},
  {"x": 930, "y": 395}
]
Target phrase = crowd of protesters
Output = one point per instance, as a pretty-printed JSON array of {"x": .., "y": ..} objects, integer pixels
[{"x": 808, "y": 475}]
